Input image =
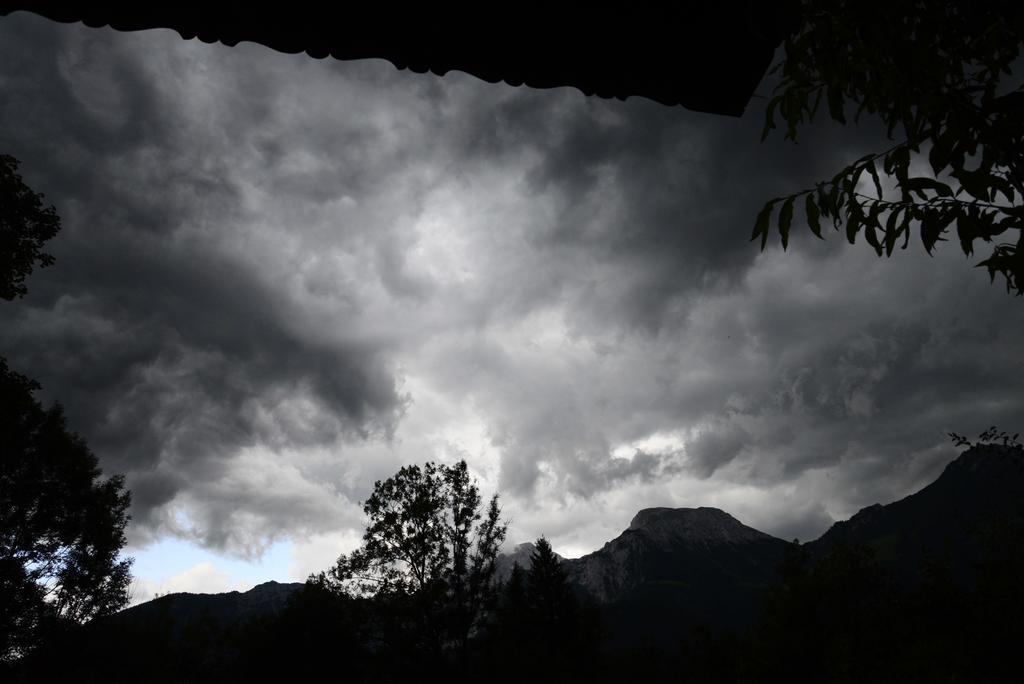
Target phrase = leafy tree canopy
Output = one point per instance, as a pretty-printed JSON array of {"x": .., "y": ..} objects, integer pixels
[
  {"x": 939, "y": 77},
  {"x": 25, "y": 224},
  {"x": 61, "y": 526},
  {"x": 428, "y": 541}
]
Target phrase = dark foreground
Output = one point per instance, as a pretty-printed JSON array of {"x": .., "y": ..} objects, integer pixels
[{"x": 926, "y": 589}]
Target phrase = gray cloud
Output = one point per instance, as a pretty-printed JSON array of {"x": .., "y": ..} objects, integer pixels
[
  {"x": 280, "y": 279},
  {"x": 171, "y": 348}
]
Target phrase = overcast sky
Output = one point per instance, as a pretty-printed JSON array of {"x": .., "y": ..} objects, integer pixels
[{"x": 281, "y": 279}]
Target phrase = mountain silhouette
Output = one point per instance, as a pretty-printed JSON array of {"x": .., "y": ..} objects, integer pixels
[
  {"x": 956, "y": 518},
  {"x": 672, "y": 570},
  {"x": 182, "y": 609},
  {"x": 683, "y": 590},
  {"x": 675, "y": 569}
]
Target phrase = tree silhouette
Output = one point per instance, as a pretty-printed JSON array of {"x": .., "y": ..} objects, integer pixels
[
  {"x": 541, "y": 619},
  {"x": 428, "y": 554},
  {"x": 61, "y": 526},
  {"x": 936, "y": 76},
  {"x": 550, "y": 596},
  {"x": 25, "y": 224},
  {"x": 514, "y": 615}
]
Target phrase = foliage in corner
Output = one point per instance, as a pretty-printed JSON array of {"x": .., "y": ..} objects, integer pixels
[
  {"x": 934, "y": 74},
  {"x": 61, "y": 525},
  {"x": 993, "y": 435},
  {"x": 25, "y": 225}
]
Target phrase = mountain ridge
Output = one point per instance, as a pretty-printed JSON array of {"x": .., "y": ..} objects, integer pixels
[
  {"x": 180, "y": 608},
  {"x": 975, "y": 492},
  {"x": 674, "y": 566}
]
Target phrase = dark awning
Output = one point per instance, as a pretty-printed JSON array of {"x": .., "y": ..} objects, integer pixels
[{"x": 705, "y": 56}]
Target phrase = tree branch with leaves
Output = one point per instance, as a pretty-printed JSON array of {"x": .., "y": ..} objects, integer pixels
[{"x": 939, "y": 77}]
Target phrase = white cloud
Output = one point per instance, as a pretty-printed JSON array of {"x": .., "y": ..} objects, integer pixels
[{"x": 319, "y": 552}]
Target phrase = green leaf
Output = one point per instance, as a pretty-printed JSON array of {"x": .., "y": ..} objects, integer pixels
[
  {"x": 852, "y": 228},
  {"x": 919, "y": 185},
  {"x": 929, "y": 231},
  {"x": 939, "y": 155},
  {"x": 785, "y": 220},
  {"x": 889, "y": 163},
  {"x": 871, "y": 225},
  {"x": 872, "y": 237},
  {"x": 835, "y": 202},
  {"x": 933, "y": 225},
  {"x": 901, "y": 164},
  {"x": 891, "y": 232},
  {"x": 987, "y": 225},
  {"x": 966, "y": 232},
  {"x": 824, "y": 203},
  {"x": 974, "y": 185},
  {"x": 813, "y": 216},
  {"x": 761, "y": 225},
  {"x": 835, "y": 104},
  {"x": 1000, "y": 184},
  {"x": 874, "y": 176},
  {"x": 769, "y": 117}
]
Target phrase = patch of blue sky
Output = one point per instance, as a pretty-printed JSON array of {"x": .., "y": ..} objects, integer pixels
[{"x": 172, "y": 556}]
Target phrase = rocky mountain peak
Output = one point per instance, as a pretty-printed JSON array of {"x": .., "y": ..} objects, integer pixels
[
  {"x": 670, "y": 526},
  {"x": 520, "y": 555},
  {"x": 524, "y": 549}
]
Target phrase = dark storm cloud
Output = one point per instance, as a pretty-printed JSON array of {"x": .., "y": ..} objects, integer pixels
[
  {"x": 662, "y": 196},
  {"x": 716, "y": 447},
  {"x": 169, "y": 353},
  {"x": 261, "y": 250},
  {"x": 862, "y": 376},
  {"x": 821, "y": 360}
]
